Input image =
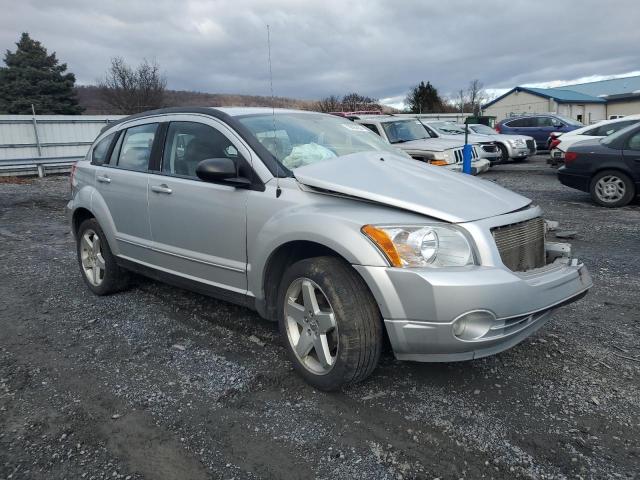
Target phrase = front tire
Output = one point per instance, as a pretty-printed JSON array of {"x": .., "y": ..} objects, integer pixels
[
  {"x": 329, "y": 322},
  {"x": 612, "y": 189},
  {"x": 504, "y": 153},
  {"x": 98, "y": 266}
]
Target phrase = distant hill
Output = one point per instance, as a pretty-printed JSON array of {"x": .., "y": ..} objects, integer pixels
[{"x": 89, "y": 97}]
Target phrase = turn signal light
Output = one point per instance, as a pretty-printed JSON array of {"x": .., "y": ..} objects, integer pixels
[
  {"x": 384, "y": 243},
  {"x": 439, "y": 163}
]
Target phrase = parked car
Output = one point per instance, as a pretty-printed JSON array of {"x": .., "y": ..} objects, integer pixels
[
  {"x": 410, "y": 135},
  {"x": 537, "y": 126},
  {"x": 515, "y": 147},
  {"x": 451, "y": 131},
  {"x": 322, "y": 226},
  {"x": 607, "y": 168},
  {"x": 562, "y": 142}
]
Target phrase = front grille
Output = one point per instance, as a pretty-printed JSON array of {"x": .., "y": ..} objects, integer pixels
[
  {"x": 458, "y": 153},
  {"x": 531, "y": 145},
  {"x": 521, "y": 245}
]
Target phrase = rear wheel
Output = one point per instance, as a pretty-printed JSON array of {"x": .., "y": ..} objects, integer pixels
[
  {"x": 611, "y": 188},
  {"x": 329, "y": 322},
  {"x": 99, "y": 269}
]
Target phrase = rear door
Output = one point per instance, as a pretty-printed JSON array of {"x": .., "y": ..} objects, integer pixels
[
  {"x": 199, "y": 228},
  {"x": 122, "y": 183}
]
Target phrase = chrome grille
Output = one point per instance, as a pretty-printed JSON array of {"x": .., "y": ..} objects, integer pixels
[
  {"x": 531, "y": 145},
  {"x": 521, "y": 245}
]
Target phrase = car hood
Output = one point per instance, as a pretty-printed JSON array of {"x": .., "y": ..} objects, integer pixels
[
  {"x": 430, "y": 144},
  {"x": 472, "y": 138},
  {"x": 411, "y": 185},
  {"x": 505, "y": 137}
]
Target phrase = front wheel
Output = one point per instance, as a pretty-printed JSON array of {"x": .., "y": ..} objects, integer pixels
[
  {"x": 611, "y": 188},
  {"x": 329, "y": 322},
  {"x": 504, "y": 153}
]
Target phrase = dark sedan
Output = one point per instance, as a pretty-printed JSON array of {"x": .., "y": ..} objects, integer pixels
[{"x": 609, "y": 169}]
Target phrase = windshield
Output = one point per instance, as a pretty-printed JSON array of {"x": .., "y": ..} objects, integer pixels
[
  {"x": 483, "y": 129},
  {"x": 447, "y": 128},
  {"x": 615, "y": 136},
  {"x": 298, "y": 139},
  {"x": 404, "y": 131}
]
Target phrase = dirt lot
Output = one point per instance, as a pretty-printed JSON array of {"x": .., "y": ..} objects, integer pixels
[{"x": 160, "y": 383}]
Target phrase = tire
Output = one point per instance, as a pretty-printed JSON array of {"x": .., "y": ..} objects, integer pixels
[
  {"x": 98, "y": 266},
  {"x": 504, "y": 153},
  {"x": 612, "y": 189},
  {"x": 352, "y": 345}
]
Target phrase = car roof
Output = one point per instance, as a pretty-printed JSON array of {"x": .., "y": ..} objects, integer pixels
[
  {"x": 533, "y": 115},
  {"x": 383, "y": 118}
]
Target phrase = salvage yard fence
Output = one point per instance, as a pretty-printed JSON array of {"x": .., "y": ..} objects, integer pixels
[{"x": 43, "y": 144}]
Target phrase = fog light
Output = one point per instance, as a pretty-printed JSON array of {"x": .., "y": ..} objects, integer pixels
[{"x": 473, "y": 325}]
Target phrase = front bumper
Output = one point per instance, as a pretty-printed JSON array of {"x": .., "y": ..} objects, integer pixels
[
  {"x": 479, "y": 165},
  {"x": 419, "y": 306},
  {"x": 518, "y": 152}
]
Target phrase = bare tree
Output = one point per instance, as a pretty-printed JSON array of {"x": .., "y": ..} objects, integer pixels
[
  {"x": 352, "y": 102},
  {"x": 476, "y": 95},
  {"x": 131, "y": 90},
  {"x": 331, "y": 103}
]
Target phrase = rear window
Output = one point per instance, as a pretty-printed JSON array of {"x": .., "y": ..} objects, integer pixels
[
  {"x": 521, "y": 122},
  {"x": 101, "y": 149},
  {"x": 606, "y": 130}
]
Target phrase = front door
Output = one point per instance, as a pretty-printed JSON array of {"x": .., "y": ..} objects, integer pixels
[
  {"x": 631, "y": 154},
  {"x": 122, "y": 184},
  {"x": 199, "y": 228}
]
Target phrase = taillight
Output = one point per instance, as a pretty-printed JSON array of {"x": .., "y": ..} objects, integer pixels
[
  {"x": 498, "y": 128},
  {"x": 554, "y": 143},
  {"x": 570, "y": 157}
]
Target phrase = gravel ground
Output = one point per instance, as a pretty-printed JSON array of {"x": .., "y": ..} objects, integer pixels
[{"x": 160, "y": 383}]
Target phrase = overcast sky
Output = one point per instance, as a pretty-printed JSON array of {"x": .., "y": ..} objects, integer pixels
[{"x": 377, "y": 48}]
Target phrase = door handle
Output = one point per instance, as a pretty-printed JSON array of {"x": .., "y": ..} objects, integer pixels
[
  {"x": 161, "y": 188},
  {"x": 103, "y": 179}
]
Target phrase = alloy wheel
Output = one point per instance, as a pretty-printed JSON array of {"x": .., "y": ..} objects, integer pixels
[
  {"x": 93, "y": 264},
  {"x": 311, "y": 326}
]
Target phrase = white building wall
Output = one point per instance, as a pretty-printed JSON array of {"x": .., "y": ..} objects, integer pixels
[
  {"x": 630, "y": 107},
  {"x": 517, "y": 103}
]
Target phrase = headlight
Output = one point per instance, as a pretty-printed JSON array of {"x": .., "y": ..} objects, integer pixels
[
  {"x": 518, "y": 142},
  {"x": 422, "y": 246}
]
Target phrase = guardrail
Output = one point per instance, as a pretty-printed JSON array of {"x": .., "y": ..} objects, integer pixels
[
  {"x": 40, "y": 144},
  {"x": 39, "y": 165}
]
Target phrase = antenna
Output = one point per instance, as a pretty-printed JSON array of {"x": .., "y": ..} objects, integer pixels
[{"x": 273, "y": 110}]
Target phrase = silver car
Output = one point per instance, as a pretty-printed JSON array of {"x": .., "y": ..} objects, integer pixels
[
  {"x": 318, "y": 224},
  {"x": 515, "y": 147},
  {"x": 449, "y": 130},
  {"x": 410, "y": 136}
]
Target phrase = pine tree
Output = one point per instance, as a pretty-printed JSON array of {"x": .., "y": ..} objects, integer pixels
[
  {"x": 31, "y": 76},
  {"x": 424, "y": 98}
]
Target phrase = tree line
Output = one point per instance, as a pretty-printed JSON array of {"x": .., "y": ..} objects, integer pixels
[{"x": 33, "y": 79}]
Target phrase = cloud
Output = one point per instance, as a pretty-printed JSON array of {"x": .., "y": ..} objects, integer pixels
[{"x": 375, "y": 47}]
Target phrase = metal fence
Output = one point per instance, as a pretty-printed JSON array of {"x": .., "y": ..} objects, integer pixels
[{"x": 46, "y": 143}]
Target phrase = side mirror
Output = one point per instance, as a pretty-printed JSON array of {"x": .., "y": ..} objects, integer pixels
[{"x": 220, "y": 170}]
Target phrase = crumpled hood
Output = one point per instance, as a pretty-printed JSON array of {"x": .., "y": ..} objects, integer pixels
[
  {"x": 429, "y": 144},
  {"x": 411, "y": 185}
]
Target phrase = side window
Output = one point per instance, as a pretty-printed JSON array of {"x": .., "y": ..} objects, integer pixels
[
  {"x": 520, "y": 122},
  {"x": 544, "y": 122},
  {"x": 135, "y": 149},
  {"x": 188, "y": 143},
  {"x": 634, "y": 141},
  {"x": 100, "y": 151},
  {"x": 371, "y": 127}
]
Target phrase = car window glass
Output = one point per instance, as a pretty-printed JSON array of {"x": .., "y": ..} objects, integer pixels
[
  {"x": 136, "y": 147},
  {"x": 100, "y": 150},
  {"x": 188, "y": 143},
  {"x": 520, "y": 122},
  {"x": 634, "y": 142},
  {"x": 371, "y": 127},
  {"x": 545, "y": 122}
]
